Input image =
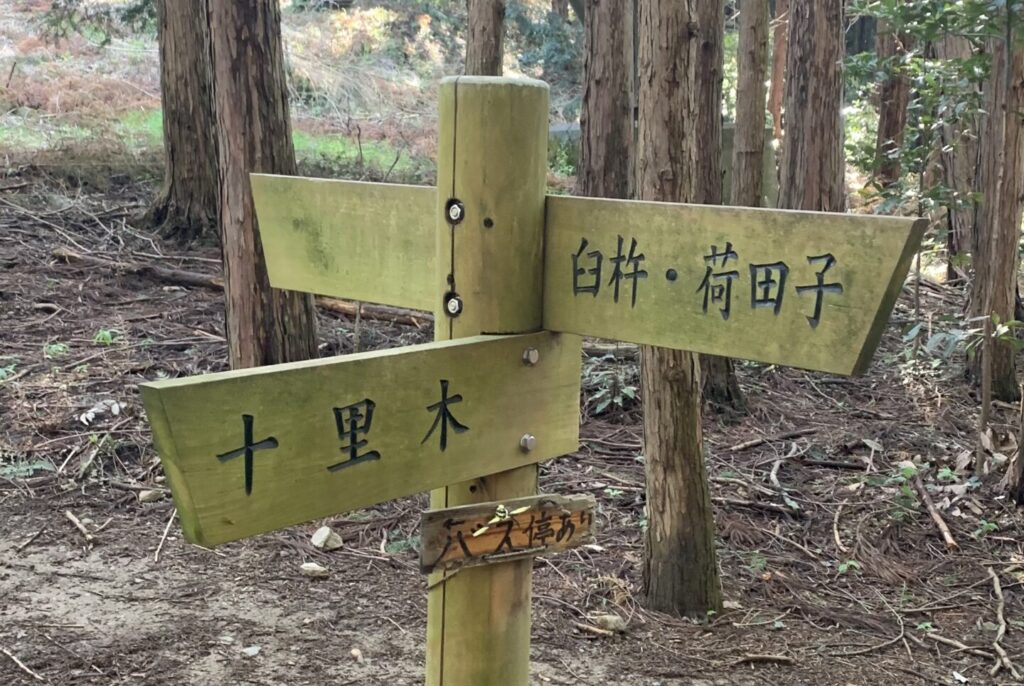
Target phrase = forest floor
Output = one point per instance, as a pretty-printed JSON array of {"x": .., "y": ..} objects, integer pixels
[{"x": 833, "y": 570}]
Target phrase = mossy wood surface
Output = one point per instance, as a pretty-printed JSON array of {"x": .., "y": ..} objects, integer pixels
[
  {"x": 492, "y": 156},
  {"x": 480, "y": 534},
  {"x": 870, "y": 259},
  {"x": 348, "y": 239},
  {"x": 200, "y": 429}
]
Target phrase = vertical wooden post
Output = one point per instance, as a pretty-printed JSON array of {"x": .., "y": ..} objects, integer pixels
[{"x": 492, "y": 158}]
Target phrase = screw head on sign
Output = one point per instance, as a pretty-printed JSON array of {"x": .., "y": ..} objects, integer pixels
[
  {"x": 453, "y": 305},
  {"x": 531, "y": 356},
  {"x": 528, "y": 442},
  {"x": 455, "y": 211}
]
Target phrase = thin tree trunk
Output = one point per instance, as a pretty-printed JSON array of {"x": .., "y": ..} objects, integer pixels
[
  {"x": 893, "y": 99},
  {"x": 959, "y": 164},
  {"x": 186, "y": 206},
  {"x": 606, "y": 119},
  {"x": 721, "y": 387},
  {"x": 485, "y": 42},
  {"x": 812, "y": 171},
  {"x": 561, "y": 8},
  {"x": 1002, "y": 154},
  {"x": 679, "y": 140},
  {"x": 748, "y": 141},
  {"x": 264, "y": 325},
  {"x": 780, "y": 50}
]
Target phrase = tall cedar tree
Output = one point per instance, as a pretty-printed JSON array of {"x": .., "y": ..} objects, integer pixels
[
  {"x": 606, "y": 119},
  {"x": 893, "y": 98},
  {"x": 749, "y": 139},
  {"x": 678, "y": 159},
  {"x": 812, "y": 175},
  {"x": 1002, "y": 162},
  {"x": 186, "y": 206},
  {"x": 721, "y": 386},
  {"x": 780, "y": 51},
  {"x": 264, "y": 325},
  {"x": 959, "y": 167},
  {"x": 485, "y": 49}
]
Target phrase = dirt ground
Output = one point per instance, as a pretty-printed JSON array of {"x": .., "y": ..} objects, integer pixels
[{"x": 834, "y": 572}]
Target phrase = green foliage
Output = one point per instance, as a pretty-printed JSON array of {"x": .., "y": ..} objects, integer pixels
[
  {"x": 15, "y": 468},
  {"x": 105, "y": 337},
  {"x": 402, "y": 543},
  {"x": 7, "y": 371},
  {"x": 945, "y": 93},
  {"x": 56, "y": 350},
  {"x": 548, "y": 46},
  {"x": 758, "y": 563},
  {"x": 984, "y": 529},
  {"x": 98, "y": 21},
  {"x": 849, "y": 566},
  {"x": 608, "y": 382},
  {"x": 320, "y": 5}
]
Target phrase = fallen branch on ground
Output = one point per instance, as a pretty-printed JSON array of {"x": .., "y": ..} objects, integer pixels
[
  {"x": 181, "y": 277},
  {"x": 21, "y": 664},
  {"x": 936, "y": 517},
  {"x": 753, "y": 443},
  {"x": 1002, "y": 659}
]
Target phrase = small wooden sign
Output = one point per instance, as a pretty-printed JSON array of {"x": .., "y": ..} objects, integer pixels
[
  {"x": 250, "y": 451},
  {"x": 474, "y": 535}
]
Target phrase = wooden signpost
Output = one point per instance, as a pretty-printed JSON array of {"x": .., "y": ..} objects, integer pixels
[{"x": 513, "y": 277}]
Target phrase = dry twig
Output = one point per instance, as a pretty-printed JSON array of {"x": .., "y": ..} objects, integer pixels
[
  {"x": 21, "y": 664},
  {"x": 936, "y": 517},
  {"x": 1002, "y": 659},
  {"x": 78, "y": 525},
  {"x": 167, "y": 529},
  {"x": 753, "y": 443}
]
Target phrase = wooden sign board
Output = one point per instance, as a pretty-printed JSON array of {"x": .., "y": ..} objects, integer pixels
[
  {"x": 802, "y": 289},
  {"x": 348, "y": 239},
  {"x": 255, "y": 450},
  {"x": 485, "y": 533}
]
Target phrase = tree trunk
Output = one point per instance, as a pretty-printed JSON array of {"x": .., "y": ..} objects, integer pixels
[
  {"x": 780, "y": 49},
  {"x": 1002, "y": 154},
  {"x": 679, "y": 143},
  {"x": 812, "y": 171},
  {"x": 186, "y": 207},
  {"x": 959, "y": 164},
  {"x": 748, "y": 140},
  {"x": 721, "y": 387},
  {"x": 485, "y": 42},
  {"x": 561, "y": 8},
  {"x": 893, "y": 98},
  {"x": 264, "y": 325},
  {"x": 606, "y": 118}
]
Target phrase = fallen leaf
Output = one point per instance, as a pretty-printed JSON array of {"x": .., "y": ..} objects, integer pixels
[{"x": 251, "y": 651}]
